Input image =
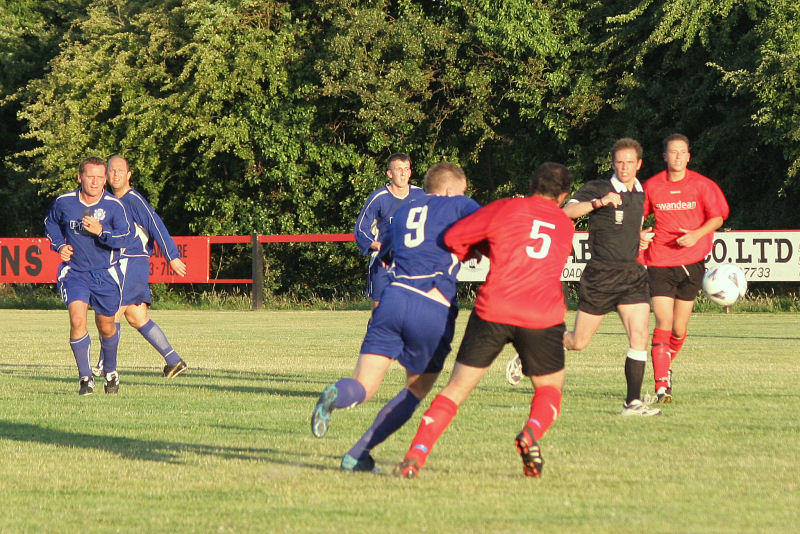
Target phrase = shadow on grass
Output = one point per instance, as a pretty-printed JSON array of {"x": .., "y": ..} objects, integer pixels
[
  {"x": 149, "y": 450},
  {"x": 187, "y": 380}
]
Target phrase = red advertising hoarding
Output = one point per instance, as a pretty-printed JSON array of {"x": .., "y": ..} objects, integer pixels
[{"x": 30, "y": 260}]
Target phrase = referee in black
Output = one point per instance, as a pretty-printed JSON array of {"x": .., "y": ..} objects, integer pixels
[{"x": 614, "y": 278}]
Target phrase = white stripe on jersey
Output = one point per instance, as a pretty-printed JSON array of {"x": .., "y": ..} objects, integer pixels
[
  {"x": 373, "y": 226},
  {"x": 434, "y": 297}
]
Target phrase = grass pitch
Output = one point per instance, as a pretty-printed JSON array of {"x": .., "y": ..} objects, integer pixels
[{"x": 226, "y": 447}]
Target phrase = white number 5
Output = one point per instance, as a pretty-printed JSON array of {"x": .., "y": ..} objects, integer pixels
[{"x": 536, "y": 234}]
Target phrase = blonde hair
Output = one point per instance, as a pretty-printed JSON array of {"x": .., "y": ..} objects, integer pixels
[{"x": 442, "y": 174}]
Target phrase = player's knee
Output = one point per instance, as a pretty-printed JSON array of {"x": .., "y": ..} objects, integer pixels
[
  {"x": 573, "y": 342},
  {"x": 137, "y": 317},
  {"x": 580, "y": 345},
  {"x": 137, "y": 322},
  {"x": 420, "y": 388},
  {"x": 107, "y": 330}
]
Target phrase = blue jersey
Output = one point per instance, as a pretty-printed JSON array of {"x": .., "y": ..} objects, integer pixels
[
  {"x": 148, "y": 228},
  {"x": 376, "y": 215},
  {"x": 64, "y": 226},
  {"x": 420, "y": 258}
]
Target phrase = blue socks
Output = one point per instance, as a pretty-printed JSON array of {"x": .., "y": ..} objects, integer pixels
[
  {"x": 393, "y": 416},
  {"x": 351, "y": 392},
  {"x": 100, "y": 360},
  {"x": 81, "y": 349},
  {"x": 155, "y": 336},
  {"x": 108, "y": 346}
]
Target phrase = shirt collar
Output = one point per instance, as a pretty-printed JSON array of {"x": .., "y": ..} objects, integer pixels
[{"x": 619, "y": 187}]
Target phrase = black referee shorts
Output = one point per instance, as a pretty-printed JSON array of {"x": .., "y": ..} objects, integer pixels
[
  {"x": 540, "y": 350},
  {"x": 604, "y": 286},
  {"x": 682, "y": 282}
]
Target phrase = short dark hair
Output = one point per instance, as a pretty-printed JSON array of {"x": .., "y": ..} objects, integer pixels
[
  {"x": 91, "y": 160},
  {"x": 676, "y": 137},
  {"x": 624, "y": 143},
  {"x": 397, "y": 156},
  {"x": 440, "y": 175},
  {"x": 550, "y": 180}
]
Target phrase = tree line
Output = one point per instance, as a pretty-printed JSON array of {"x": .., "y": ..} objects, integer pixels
[{"x": 245, "y": 116}]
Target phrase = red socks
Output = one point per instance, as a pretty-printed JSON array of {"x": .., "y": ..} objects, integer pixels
[
  {"x": 434, "y": 422},
  {"x": 661, "y": 356},
  {"x": 545, "y": 407},
  {"x": 665, "y": 347},
  {"x": 675, "y": 345}
]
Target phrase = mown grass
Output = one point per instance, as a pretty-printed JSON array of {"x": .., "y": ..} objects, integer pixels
[{"x": 226, "y": 447}]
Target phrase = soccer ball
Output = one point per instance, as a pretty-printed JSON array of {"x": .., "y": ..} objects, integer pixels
[{"x": 724, "y": 284}]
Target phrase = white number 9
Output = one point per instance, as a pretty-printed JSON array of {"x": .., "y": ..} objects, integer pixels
[{"x": 416, "y": 223}]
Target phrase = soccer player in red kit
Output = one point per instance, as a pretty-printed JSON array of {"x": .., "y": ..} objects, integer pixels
[
  {"x": 528, "y": 241},
  {"x": 688, "y": 208}
]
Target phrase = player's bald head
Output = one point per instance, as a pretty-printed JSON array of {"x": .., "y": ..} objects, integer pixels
[
  {"x": 443, "y": 175},
  {"x": 117, "y": 157}
]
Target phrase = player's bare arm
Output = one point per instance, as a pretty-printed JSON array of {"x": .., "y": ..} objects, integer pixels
[
  {"x": 92, "y": 225},
  {"x": 646, "y": 236},
  {"x": 178, "y": 266},
  {"x": 66, "y": 252},
  {"x": 690, "y": 237},
  {"x": 575, "y": 210}
]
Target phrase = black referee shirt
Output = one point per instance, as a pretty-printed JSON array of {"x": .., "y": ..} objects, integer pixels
[{"x": 613, "y": 232}]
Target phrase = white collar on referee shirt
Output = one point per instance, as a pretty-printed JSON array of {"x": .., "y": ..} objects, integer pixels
[{"x": 619, "y": 187}]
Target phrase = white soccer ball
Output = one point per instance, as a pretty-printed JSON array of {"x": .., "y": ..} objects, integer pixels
[{"x": 724, "y": 284}]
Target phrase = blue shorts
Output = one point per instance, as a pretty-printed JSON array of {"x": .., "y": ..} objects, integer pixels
[
  {"x": 100, "y": 289},
  {"x": 411, "y": 328},
  {"x": 377, "y": 279},
  {"x": 136, "y": 283}
]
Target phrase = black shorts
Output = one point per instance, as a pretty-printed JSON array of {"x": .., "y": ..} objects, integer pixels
[
  {"x": 604, "y": 286},
  {"x": 541, "y": 350},
  {"x": 682, "y": 282}
]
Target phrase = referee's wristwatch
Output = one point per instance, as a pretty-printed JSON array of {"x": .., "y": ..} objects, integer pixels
[{"x": 597, "y": 203}]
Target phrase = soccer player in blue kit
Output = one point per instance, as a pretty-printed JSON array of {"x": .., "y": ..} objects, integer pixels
[
  {"x": 148, "y": 228},
  {"x": 415, "y": 321},
  {"x": 376, "y": 216},
  {"x": 88, "y": 227}
]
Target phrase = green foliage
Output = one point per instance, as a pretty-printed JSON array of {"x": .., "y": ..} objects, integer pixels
[
  {"x": 244, "y": 116},
  {"x": 776, "y": 85},
  {"x": 30, "y": 34},
  {"x": 688, "y": 66}
]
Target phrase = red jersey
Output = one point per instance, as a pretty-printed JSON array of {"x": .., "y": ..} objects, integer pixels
[
  {"x": 528, "y": 241},
  {"x": 687, "y": 204}
]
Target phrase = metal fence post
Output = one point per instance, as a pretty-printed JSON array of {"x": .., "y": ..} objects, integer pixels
[{"x": 258, "y": 273}]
